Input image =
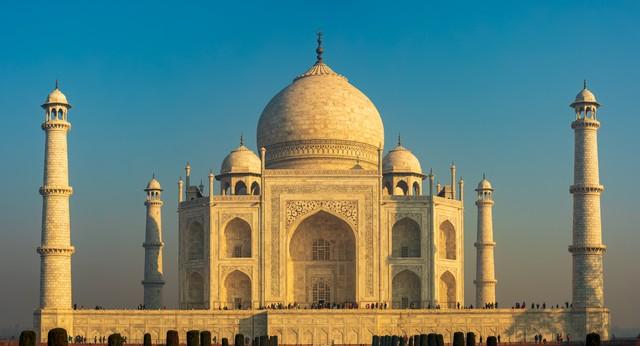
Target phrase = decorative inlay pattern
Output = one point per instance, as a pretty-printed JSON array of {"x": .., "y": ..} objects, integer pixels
[
  {"x": 298, "y": 209},
  {"x": 322, "y": 148}
]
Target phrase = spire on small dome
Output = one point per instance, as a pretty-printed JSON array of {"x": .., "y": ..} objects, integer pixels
[
  {"x": 319, "y": 68},
  {"x": 319, "y": 49},
  {"x": 399, "y": 140},
  {"x": 584, "y": 84},
  {"x": 56, "y": 84},
  {"x": 241, "y": 139}
]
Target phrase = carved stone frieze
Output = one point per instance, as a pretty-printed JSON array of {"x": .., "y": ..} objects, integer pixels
[{"x": 299, "y": 208}]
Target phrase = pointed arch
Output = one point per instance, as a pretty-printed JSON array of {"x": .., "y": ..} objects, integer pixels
[
  {"x": 416, "y": 188},
  {"x": 402, "y": 189},
  {"x": 405, "y": 238},
  {"x": 240, "y": 188},
  {"x": 448, "y": 292},
  {"x": 255, "y": 188},
  {"x": 331, "y": 262},
  {"x": 237, "y": 290},
  {"x": 237, "y": 242},
  {"x": 406, "y": 290},
  {"x": 387, "y": 189},
  {"x": 447, "y": 247}
]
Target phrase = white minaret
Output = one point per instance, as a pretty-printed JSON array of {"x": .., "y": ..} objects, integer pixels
[
  {"x": 587, "y": 249},
  {"x": 485, "y": 270},
  {"x": 153, "y": 272},
  {"x": 55, "y": 248}
]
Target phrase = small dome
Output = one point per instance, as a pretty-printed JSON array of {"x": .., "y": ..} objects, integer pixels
[
  {"x": 241, "y": 160},
  {"x": 153, "y": 184},
  {"x": 585, "y": 96},
  {"x": 401, "y": 160},
  {"x": 484, "y": 184},
  {"x": 56, "y": 97}
]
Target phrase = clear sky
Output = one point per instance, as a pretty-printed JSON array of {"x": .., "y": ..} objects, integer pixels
[{"x": 486, "y": 84}]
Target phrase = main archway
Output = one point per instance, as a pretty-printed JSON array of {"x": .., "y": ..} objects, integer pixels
[{"x": 322, "y": 267}]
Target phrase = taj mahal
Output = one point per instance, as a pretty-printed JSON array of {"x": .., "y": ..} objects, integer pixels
[{"x": 320, "y": 236}]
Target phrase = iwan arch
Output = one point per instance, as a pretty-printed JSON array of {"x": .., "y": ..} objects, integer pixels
[{"x": 321, "y": 217}]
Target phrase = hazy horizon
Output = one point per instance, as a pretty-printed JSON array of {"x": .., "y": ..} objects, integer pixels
[{"x": 153, "y": 86}]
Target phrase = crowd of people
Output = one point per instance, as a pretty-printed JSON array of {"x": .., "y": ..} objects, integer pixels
[
  {"x": 376, "y": 305},
  {"x": 538, "y": 306}
]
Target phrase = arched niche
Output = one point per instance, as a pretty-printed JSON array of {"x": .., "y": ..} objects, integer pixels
[
  {"x": 237, "y": 290},
  {"x": 447, "y": 241},
  {"x": 406, "y": 290},
  {"x": 237, "y": 242},
  {"x": 322, "y": 249},
  {"x": 405, "y": 238},
  {"x": 448, "y": 295}
]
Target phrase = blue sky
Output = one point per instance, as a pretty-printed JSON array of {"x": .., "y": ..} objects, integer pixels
[{"x": 485, "y": 84}]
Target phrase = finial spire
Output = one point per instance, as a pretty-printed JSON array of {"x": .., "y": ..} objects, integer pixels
[
  {"x": 241, "y": 139},
  {"x": 584, "y": 84},
  {"x": 399, "y": 139},
  {"x": 153, "y": 175},
  {"x": 319, "y": 49},
  {"x": 483, "y": 176},
  {"x": 56, "y": 84}
]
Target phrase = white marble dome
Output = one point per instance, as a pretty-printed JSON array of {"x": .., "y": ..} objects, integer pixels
[
  {"x": 56, "y": 96},
  {"x": 585, "y": 96},
  {"x": 401, "y": 160},
  {"x": 153, "y": 184},
  {"x": 241, "y": 160},
  {"x": 320, "y": 120},
  {"x": 484, "y": 184}
]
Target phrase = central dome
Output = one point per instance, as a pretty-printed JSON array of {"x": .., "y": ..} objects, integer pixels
[{"x": 320, "y": 121}]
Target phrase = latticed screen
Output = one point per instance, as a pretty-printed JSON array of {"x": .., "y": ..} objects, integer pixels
[
  {"x": 320, "y": 250},
  {"x": 237, "y": 251},
  {"x": 321, "y": 292}
]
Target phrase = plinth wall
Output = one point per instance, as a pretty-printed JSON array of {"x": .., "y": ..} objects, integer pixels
[{"x": 323, "y": 327}]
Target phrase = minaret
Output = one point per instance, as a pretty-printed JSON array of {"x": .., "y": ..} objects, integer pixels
[
  {"x": 587, "y": 249},
  {"x": 485, "y": 270},
  {"x": 153, "y": 272},
  {"x": 55, "y": 249}
]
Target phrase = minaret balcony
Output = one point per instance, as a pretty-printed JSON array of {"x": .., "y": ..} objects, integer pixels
[
  {"x": 56, "y": 124},
  {"x": 52, "y": 250},
  {"x": 583, "y": 123},
  {"x": 49, "y": 190},
  {"x": 584, "y": 188},
  {"x": 588, "y": 249}
]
